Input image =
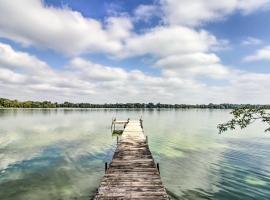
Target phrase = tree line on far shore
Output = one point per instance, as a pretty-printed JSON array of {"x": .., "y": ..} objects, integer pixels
[{"x": 7, "y": 103}]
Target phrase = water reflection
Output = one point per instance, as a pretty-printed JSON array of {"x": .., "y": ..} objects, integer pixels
[{"x": 60, "y": 153}]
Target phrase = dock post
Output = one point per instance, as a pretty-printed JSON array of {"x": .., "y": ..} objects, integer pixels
[
  {"x": 106, "y": 166},
  {"x": 141, "y": 122},
  {"x": 146, "y": 139},
  {"x": 158, "y": 168},
  {"x": 117, "y": 139},
  {"x": 112, "y": 125}
]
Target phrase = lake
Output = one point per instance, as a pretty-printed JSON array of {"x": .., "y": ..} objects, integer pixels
[{"x": 59, "y": 154}]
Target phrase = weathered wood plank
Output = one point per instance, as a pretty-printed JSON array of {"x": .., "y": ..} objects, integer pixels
[{"x": 132, "y": 174}]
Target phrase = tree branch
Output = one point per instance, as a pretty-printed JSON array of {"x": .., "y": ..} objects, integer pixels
[{"x": 242, "y": 117}]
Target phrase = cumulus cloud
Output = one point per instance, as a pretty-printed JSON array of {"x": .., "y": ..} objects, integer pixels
[
  {"x": 25, "y": 71},
  {"x": 67, "y": 31},
  {"x": 163, "y": 40},
  {"x": 8, "y": 76},
  {"x": 261, "y": 54},
  {"x": 60, "y": 29},
  {"x": 22, "y": 61},
  {"x": 179, "y": 51},
  {"x": 193, "y": 64},
  {"x": 83, "y": 80},
  {"x": 92, "y": 71},
  {"x": 79, "y": 79},
  {"x": 249, "y": 87},
  {"x": 197, "y": 12}
]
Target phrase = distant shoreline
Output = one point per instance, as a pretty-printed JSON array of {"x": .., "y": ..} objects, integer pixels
[{"x": 7, "y": 103}]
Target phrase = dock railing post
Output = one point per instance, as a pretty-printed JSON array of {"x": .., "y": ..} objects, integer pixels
[
  {"x": 106, "y": 166},
  {"x": 141, "y": 122},
  {"x": 158, "y": 168},
  {"x": 114, "y": 124}
]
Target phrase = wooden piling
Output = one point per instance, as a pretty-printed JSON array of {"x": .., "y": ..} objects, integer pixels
[{"x": 106, "y": 166}]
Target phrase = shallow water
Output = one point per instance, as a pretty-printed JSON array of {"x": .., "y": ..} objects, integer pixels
[{"x": 60, "y": 153}]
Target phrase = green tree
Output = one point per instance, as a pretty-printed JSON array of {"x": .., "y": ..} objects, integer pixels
[{"x": 242, "y": 117}]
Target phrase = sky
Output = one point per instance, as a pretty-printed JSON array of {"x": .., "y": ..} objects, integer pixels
[{"x": 109, "y": 51}]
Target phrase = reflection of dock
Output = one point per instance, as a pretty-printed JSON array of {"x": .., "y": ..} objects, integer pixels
[{"x": 132, "y": 174}]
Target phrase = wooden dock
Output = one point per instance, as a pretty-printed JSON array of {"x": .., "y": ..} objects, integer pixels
[{"x": 132, "y": 174}]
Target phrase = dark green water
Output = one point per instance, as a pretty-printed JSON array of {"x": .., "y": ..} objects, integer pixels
[{"x": 60, "y": 154}]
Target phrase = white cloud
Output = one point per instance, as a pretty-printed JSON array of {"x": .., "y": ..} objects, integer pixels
[
  {"x": 60, "y": 29},
  {"x": 68, "y": 32},
  {"x": 252, "y": 41},
  {"x": 248, "y": 6},
  {"x": 92, "y": 71},
  {"x": 178, "y": 51},
  {"x": 261, "y": 54},
  {"x": 119, "y": 27},
  {"x": 196, "y": 12},
  {"x": 83, "y": 80},
  {"x": 21, "y": 61},
  {"x": 79, "y": 79},
  {"x": 146, "y": 12},
  {"x": 28, "y": 72},
  {"x": 8, "y": 76},
  {"x": 163, "y": 41},
  {"x": 189, "y": 65},
  {"x": 249, "y": 87}
]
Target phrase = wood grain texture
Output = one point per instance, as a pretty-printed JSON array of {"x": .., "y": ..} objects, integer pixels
[{"x": 132, "y": 174}]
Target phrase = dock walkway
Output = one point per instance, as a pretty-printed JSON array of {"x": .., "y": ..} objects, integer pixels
[{"x": 132, "y": 174}]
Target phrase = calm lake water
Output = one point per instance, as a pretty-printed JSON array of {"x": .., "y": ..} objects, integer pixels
[{"x": 60, "y": 153}]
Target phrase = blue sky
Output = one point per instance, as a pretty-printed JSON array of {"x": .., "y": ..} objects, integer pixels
[{"x": 168, "y": 51}]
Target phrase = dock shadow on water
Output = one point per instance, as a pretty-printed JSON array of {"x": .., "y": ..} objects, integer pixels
[{"x": 56, "y": 154}]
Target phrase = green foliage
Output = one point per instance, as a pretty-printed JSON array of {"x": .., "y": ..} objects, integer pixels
[
  {"x": 242, "y": 117},
  {"x": 7, "y": 103}
]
